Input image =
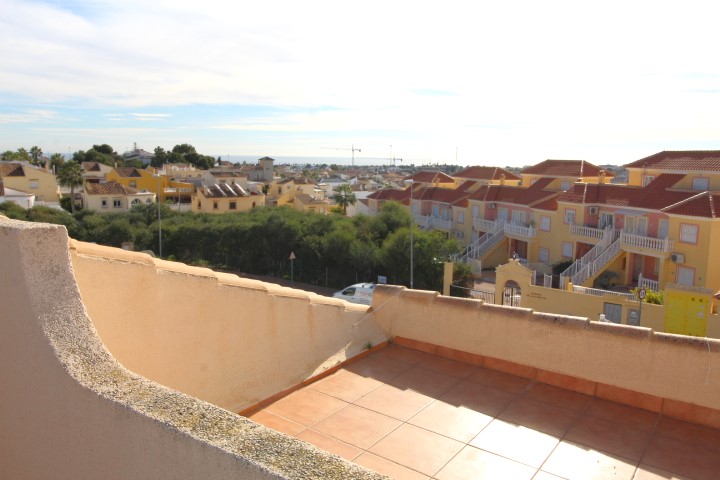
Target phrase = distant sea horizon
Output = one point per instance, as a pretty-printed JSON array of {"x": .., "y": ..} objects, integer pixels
[{"x": 318, "y": 160}]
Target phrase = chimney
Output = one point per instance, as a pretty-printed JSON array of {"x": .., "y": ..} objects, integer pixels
[{"x": 601, "y": 177}]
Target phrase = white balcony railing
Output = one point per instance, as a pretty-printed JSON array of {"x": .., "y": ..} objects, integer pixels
[
  {"x": 484, "y": 225},
  {"x": 441, "y": 223},
  {"x": 587, "y": 232},
  {"x": 601, "y": 293},
  {"x": 423, "y": 221},
  {"x": 664, "y": 245},
  {"x": 519, "y": 230}
]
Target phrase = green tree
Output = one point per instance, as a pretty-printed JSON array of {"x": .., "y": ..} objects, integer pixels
[
  {"x": 56, "y": 161},
  {"x": 71, "y": 175},
  {"x": 22, "y": 155},
  {"x": 35, "y": 153},
  {"x": 8, "y": 155},
  {"x": 160, "y": 157},
  {"x": 344, "y": 196}
]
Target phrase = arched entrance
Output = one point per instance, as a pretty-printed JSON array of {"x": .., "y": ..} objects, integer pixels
[{"x": 511, "y": 294}]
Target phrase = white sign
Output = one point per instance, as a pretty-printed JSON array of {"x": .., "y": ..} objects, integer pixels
[{"x": 382, "y": 279}]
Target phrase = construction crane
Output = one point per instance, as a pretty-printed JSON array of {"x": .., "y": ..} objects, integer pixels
[{"x": 353, "y": 149}]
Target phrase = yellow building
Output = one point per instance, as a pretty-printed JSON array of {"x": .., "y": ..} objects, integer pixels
[
  {"x": 167, "y": 189},
  {"x": 224, "y": 198},
  {"x": 286, "y": 191},
  {"x": 30, "y": 179}
]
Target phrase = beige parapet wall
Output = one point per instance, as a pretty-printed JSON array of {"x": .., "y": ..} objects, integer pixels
[
  {"x": 70, "y": 410},
  {"x": 229, "y": 341},
  {"x": 675, "y": 367}
]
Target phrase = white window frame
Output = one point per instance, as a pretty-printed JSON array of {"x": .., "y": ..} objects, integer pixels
[
  {"x": 475, "y": 211},
  {"x": 565, "y": 185},
  {"x": 570, "y": 216},
  {"x": 566, "y": 249},
  {"x": 685, "y": 276},
  {"x": 117, "y": 203},
  {"x": 689, "y": 233},
  {"x": 545, "y": 223},
  {"x": 701, "y": 184},
  {"x": 104, "y": 203},
  {"x": 461, "y": 217},
  {"x": 544, "y": 254}
]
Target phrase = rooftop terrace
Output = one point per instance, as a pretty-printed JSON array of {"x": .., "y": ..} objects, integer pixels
[
  {"x": 414, "y": 415},
  {"x": 117, "y": 365}
]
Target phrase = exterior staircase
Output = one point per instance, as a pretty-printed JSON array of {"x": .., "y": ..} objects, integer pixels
[
  {"x": 594, "y": 261},
  {"x": 483, "y": 245}
]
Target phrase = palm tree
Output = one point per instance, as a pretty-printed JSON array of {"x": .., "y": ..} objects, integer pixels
[
  {"x": 56, "y": 161},
  {"x": 71, "y": 175},
  {"x": 344, "y": 196},
  {"x": 35, "y": 153}
]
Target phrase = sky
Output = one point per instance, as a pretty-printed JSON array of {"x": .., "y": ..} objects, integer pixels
[{"x": 463, "y": 82}]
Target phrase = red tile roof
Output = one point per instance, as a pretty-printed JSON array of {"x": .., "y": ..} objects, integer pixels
[
  {"x": 657, "y": 195},
  {"x": 535, "y": 196},
  {"x": 430, "y": 177},
  {"x": 391, "y": 194},
  {"x": 91, "y": 166},
  {"x": 565, "y": 168},
  {"x": 485, "y": 173},
  {"x": 11, "y": 170},
  {"x": 440, "y": 194},
  {"x": 108, "y": 188},
  {"x": 681, "y": 160},
  {"x": 704, "y": 204}
]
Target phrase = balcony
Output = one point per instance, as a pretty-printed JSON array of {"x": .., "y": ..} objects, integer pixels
[
  {"x": 422, "y": 221},
  {"x": 441, "y": 223},
  {"x": 586, "y": 234},
  {"x": 644, "y": 245},
  {"x": 519, "y": 232},
  {"x": 483, "y": 225}
]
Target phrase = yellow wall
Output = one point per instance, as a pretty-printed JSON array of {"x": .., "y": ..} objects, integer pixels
[
  {"x": 47, "y": 188},
  {"x": 71, "y": 410},
  {"x": 158, "y": 185},
  {"x": 202, "y": 204}
]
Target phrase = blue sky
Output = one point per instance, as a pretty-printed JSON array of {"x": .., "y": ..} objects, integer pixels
[{"x": 486, "y": 83}]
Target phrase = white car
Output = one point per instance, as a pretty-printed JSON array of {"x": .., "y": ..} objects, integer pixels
[{"x": 358, "y": 293}]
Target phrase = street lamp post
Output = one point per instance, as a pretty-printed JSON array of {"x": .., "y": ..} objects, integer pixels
[
  {"x": 292, "y": 268},
  {"x": 159, "y": 216},
  {"x": 412, "y": 221}
]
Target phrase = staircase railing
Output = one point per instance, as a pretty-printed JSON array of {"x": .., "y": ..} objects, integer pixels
[{"x": 610, "y": 236}]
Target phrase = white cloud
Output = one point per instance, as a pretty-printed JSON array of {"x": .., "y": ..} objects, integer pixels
[{"x": 513, "y": 76}]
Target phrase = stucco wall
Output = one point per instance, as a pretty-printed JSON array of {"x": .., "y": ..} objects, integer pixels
[
  {"x": 635, "y": 358},
  {"x": 71, "y": 411},
  {"x": 230, "y": 341}
]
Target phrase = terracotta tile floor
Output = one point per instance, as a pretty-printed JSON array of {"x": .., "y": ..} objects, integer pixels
[{"x": 412, "y": 415}]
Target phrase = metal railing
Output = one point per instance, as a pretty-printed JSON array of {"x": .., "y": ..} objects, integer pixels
[
  {"x": 482, "y": 245},
  {"x": 485, "y": 295},
  {"x": 547, "y": 281}
]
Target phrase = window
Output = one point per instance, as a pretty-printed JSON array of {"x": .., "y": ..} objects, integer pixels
[
  {"x": 518, "y": 217},
  {"x": 686, "y": 276},
  {"x": 199, "y": 205},
  {"x": 435, "y": 211},
  {"x": 567, "y": 249},
  {"x": 136, "y": 201},
  {"x": 104, "y": 203},
  {"x": 117, "y": 203},
  {"x": 570, "y": 217},
  {"x": 215, "y": 205},
  {"x": 233, "y": 205},
  {"x": 701, "y": 184},
  {"x": 689, "y": 233},
  {"x": 647, "y": 179},
  {"x": 565, "y": 186},
  {"x": 461, "y": 217},
  {"x": 133, "y": 184},
  {"x": 34, "y": 184},
  {"x": 606, "y": 221},
  {"x": 475, "y": 212},
  {"x": 663, "y": 228},
  {"x": 459, "y": 234},
  {"x": 545, "y": 224},
  {"x": 148, "y": 201},
  {"x": 543, "y": 254}
]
